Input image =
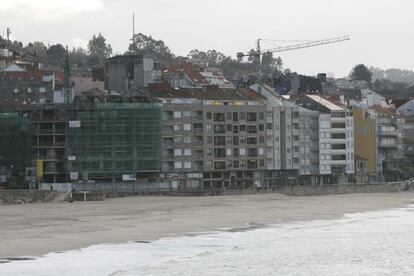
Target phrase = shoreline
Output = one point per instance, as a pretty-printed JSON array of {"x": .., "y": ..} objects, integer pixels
[{"x": 38, "y": 229}]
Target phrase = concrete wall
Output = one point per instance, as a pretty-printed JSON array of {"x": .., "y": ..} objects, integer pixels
[
  {"x": 330, "y": 189},
  {"x": 165, "y": 188},
  {"x": 11, "y": 197}
]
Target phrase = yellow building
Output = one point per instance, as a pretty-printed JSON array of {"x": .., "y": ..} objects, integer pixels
[{"x": 365, "y": 139}]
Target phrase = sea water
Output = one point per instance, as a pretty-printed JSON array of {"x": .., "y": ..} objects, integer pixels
[{"x": 371, "y": 243}]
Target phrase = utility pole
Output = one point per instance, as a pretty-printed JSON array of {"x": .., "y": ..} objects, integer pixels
[
  {"x": 133, "y": 25},
  {"x": 67, "y": 83},
  {"x": 259, "y": 61},
  {"x": 8, "y": 32}
]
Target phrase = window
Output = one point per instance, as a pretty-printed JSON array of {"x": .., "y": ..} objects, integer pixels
[
  {"x": 177, "y": 114},
  {"x": 261, "y": 115},
  {"x": 16, "y": 90},
  {"x": 251, "y": 116},
  {"x": 178, "y": 165},
  {"x": 187, "y": 139},
  {"x": 187, "y": 127},
  {"x": 220, "y": 140},
  {"x": 235, "y": 140},
  {"x": 29, "y": 90},
  {"x": 236, "y": 164},
  {"x": 228, "y": 140},
  {"x": 228, "y": 116},
  {"x": 236, "y": 152},
  {"x": 235, "y": 117},
  {"x": 42, "y": 89},
  {"x": 219, "y": 152},
  {"x": 187, "y": 113},
  {"x": 209, "y": 139},
  {"x": 219, "y": 117},
  {"x": 187, "y": 152},
  {"x": 261, "y": 151},
  {"x": 208, "y": 116},
  {"x": 177, "y": 127},
  {"x": 242, "y": 151},
  {"x": 242, "y": 115},
  {"x": 251, "y": 140},
  {"x": 261, "y": 127},
  {"x": 252, "y": 129},
  {"x": 219, "y": 128},
  {"x": 178, "y": 152},
  {"x": 228, "y": 152},
  {"x": 220, "y": 165},
  {"x": 209, "y": 164},
  {"x": 208, "y": 127},
  {"x": 242, "y": 128},
  {"x": 269, "y": 126},
  {"x": 209, "y": 151},
  {"x": 178, "y": 139},
  {"x": 187, "y": 165}
]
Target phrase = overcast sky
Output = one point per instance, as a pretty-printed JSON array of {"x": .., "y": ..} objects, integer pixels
[{"x": 382, "y": 31}]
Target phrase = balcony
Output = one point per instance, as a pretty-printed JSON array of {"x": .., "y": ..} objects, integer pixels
[
  {"x": 393, "y": 133},
  {"x": 198, "y": 130},
  {"x": 338, "y": 162}
]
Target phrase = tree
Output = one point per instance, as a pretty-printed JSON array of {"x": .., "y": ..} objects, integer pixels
[
  {"x": 147, "y": 45},
  {"x": 361, "y": 72},
  {"x": 212, "y": 58},
  {"x": 56, "y": 54},
  {"x": 99, "y": 49}
]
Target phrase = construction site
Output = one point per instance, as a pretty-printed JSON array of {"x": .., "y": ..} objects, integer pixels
[
  {"x": 16, "y": 145},
  {"x": 116, "y": 142}
]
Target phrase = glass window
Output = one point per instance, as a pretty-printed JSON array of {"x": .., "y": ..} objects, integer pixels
[
  {"x": 177, "y": 114},
  {"x": 187, "y": 127}
]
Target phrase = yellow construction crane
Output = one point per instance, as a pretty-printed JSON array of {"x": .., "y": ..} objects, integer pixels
[{"x": 258, "y": 53}]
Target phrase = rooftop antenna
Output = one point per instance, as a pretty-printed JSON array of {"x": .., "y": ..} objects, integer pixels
[
  {"x": 8, "y": 31},
  {"x": 133, "y": 26}
]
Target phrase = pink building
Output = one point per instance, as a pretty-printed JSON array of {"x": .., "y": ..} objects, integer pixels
[{"x": 84, "y": 84}]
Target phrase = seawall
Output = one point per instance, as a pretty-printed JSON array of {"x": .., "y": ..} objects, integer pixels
[
  {"x": 11, "y": 197},
  {"x": 391, "y": 187}
]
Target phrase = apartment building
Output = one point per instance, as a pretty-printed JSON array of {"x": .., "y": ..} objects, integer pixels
[
  {"x": 127, "y": 72},
  {"x": 25, "y": 84},
  {"x": 379, "y": 133},
  {"x": 212, "y": 138},
  {"x": 315, "y": 147},
  {"x": 336, "y": 133},
  {"x": 282, "y": 136}
]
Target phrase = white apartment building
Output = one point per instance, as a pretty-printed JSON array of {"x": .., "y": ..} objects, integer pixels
[{"x": 336, "y": 137}]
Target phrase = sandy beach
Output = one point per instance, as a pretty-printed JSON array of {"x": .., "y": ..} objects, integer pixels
[{"x": 37, "y": 229}]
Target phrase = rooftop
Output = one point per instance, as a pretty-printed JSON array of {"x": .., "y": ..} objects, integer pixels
[
  {"x": 331, "y": 106},
  {"x": 162, "y": 91}
]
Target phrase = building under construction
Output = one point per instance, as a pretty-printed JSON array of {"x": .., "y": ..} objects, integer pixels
[
  {"x": 116, "y": 142},
  {"x": 15, "y": 147}
]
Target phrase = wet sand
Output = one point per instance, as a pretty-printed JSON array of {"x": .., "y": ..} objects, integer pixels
[{"x": 37, "y": 229}]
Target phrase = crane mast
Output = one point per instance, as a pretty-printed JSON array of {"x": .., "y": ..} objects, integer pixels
[{"x": 259, "y": 53}]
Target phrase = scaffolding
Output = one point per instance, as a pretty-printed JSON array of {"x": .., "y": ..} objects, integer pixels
[
  {"x": 115, "y": 140},
  {"x": 15, "y": 143}
]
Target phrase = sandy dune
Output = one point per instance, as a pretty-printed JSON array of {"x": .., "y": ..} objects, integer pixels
[{"x": 41, "y": 228}]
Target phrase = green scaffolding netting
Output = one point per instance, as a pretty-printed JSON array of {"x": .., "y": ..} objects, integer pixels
[
  {"x": 15, "y": 142},
  {"x": 116, "y": 139}
]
